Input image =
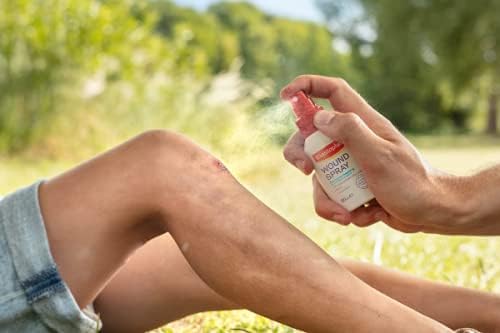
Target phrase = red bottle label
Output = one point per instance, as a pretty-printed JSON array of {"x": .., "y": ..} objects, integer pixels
[{"x": 328, "y": 151}]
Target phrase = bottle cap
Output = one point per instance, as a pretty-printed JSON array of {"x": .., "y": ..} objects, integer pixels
[{"x": 304, "y": 109}]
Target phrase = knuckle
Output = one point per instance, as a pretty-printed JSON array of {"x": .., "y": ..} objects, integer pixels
[
  {"x": 353, "y": 118},
  {"x": 302, "y": 77},
  {"x": 350, "y": 122},
  {"x": 389, "y": 131},
  {"x": 341, "y": 83}
]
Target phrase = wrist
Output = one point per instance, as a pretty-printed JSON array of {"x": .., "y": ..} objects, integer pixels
[{"x": 457, "y": 202}]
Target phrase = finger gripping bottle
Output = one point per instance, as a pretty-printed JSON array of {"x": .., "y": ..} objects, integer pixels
[{"x": 336, "y": 170}]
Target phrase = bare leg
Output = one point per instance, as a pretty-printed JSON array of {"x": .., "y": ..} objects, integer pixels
[
  {"x": 152, "y": 295},
  {"x": 455, "y": 307},
  {"x": 155, "y": 287},
  {"x": 239, "y": 247}
]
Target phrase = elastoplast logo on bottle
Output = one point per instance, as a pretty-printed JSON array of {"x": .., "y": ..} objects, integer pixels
[{"x": 328, "y": 151}]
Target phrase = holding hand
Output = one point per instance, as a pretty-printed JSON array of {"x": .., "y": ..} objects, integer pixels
[{"x": 410, "y": 195}]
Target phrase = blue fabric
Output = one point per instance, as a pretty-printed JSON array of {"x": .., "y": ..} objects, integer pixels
[
  {"x": 42, "y": 284},
  {"x": 33, "y": 296}
]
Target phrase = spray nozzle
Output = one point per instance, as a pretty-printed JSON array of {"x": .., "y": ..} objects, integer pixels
[{"x": 304, "y": 109}]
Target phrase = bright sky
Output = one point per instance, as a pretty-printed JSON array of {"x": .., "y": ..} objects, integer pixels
[{"x": 297, "y": 9}]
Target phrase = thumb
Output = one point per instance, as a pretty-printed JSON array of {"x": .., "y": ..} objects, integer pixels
[{"x": 349, "y": 129}]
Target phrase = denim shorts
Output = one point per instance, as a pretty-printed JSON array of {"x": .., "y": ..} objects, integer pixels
[{"x": 33, "y": 296}]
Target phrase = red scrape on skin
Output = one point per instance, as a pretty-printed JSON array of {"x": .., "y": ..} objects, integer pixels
[{"x": 219, "y": 165}]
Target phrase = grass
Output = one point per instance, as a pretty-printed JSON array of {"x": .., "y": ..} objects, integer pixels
[{"x": 465, "y": 261}]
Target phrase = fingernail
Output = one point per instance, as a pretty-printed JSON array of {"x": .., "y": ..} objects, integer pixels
[
  {"x": 380, "y": 216},
  {"x": 301, "y": 165},
  {"x": 323, "y": 118}
]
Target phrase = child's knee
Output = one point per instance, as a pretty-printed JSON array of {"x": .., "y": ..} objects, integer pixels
[
  {"x": 166, "y": 150},
  {"x": 170, "y": 165}
]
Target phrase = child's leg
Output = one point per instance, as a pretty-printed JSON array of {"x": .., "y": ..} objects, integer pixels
[
  {"x": 453, "y": 306},
  {"x": 99, "y": 213},
  {"x": 158, "y": 286},
  {"x": 155, "y": 287}
]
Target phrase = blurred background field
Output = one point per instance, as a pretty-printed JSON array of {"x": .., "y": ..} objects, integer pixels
[{"x": 77, "y": 77}]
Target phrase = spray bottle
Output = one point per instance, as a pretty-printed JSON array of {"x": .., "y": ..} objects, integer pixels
[{"x": 336, "y": 170}]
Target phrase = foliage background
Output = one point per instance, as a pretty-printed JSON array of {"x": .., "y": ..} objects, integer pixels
[{"x": 77, "y": 77}]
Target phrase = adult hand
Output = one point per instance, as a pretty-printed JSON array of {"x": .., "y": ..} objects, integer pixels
[{"x": 410, "y": 195}]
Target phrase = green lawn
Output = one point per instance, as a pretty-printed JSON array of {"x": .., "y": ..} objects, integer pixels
[{"x": 465, "y": 261}]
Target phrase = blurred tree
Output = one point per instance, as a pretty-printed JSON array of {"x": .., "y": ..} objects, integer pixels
[
  {"x": 386, "y": 54},
  {"x": 203, "y": 37},
  {"x": 305, "y": 48},
  {"x": 270, "y": 48},
  {"x": 465, "y": 38},
  {"x": 432, "y": 54},
  {"x": 256, "y": 36},
  {"x": 65, "y": 55},
  {"x": 278, "y": 48},
  {"x": 44, "y": 45}
]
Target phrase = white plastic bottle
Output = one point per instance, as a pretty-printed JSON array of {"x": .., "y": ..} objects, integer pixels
[{"x": 336, "y": 170}]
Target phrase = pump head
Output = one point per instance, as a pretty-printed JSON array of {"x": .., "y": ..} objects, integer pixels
[{"x": 304, "y": 109}]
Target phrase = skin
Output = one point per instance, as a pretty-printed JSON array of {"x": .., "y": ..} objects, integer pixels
[
  {"x": 161, "y": 184},
  {"x": 152, "y": 295},
  {"x": 411, "y": 195},
  {"x": 453, "y": 306}
]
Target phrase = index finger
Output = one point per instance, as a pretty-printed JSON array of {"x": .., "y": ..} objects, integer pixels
[
  {"x": 342, "y": 98},
  {"x": 295, "y": 154}
]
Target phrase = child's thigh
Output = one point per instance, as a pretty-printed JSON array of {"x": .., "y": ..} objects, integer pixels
[
  {"x": 98, "y": 213},
  {"x": 33, "y": 296}
]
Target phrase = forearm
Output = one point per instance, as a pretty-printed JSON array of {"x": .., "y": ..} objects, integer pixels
[
  {"x": 483, "y": 191},
  {"x": 453, "y": 306},
  {"x": 462, "y": 205}
]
